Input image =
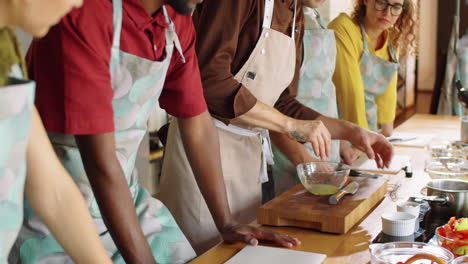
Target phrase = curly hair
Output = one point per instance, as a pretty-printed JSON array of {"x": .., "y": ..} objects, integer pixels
[{"x": 404, "y": 33}]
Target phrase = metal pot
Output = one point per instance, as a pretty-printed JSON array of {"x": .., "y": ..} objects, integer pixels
[{"x": 447, "y": 197}]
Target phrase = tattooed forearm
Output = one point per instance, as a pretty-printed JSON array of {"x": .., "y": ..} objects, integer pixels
[{"x": 298, "y": 136}]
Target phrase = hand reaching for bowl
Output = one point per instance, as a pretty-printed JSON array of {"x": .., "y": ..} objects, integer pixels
[
  {"x": 347, "y": 153},
  {"x": 376, "y": 146},
  {"x": 373, "y": 144}
]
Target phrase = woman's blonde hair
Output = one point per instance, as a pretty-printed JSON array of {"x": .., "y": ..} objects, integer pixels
[{"x": 404, "y": 33}]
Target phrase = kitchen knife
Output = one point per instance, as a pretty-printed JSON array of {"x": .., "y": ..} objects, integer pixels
[
  {"x": 401, "y": 139},
  {"x": 356, "y": 173},
  {"x": 351, "y": 188}
]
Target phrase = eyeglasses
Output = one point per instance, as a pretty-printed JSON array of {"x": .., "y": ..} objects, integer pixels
[{"x": 395, "y": 9}]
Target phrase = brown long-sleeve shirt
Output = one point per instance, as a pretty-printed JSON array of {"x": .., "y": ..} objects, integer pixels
[{"x": 227, "y": 32}]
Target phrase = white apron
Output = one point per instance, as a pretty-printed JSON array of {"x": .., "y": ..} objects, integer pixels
[
  {"x": 267, "y": 72},
  {"x": 316, "y": 91},
  {"x": 137, "y": 83}
]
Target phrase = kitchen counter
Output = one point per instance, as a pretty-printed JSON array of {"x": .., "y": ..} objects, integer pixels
[{"x": 352, "y": 247}]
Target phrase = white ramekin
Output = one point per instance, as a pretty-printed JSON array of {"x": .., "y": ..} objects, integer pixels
[
  {"x": 412, "y": 208},
  {"x": 398, "y": 224},
  {"x": 408, "y": 207}
]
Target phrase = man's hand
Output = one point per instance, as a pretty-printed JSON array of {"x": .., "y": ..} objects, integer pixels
[
  {"x": 373, "y": 144},
  {"x": 251, "y": 235},
  {"x": 347, "y": 153},
  {"x": 267, "y": 117},
  {"x": 376, "y": 146},
  {"x": 315, "y": 132}
]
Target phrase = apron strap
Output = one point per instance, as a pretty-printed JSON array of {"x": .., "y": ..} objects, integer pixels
[
  {"x": 268, "y": 15},
  {"x": 293, "y": 29},
  {"x": 364, "y": 39},
  {"x": 319, "y": 19},
  {"x": 391, "y": 51},
  {"x": 267, "y": 155},
  {"x": 267, "y": 152},
  {"x": 172, "y": 37},
  {"x": 117, "y": 23}
]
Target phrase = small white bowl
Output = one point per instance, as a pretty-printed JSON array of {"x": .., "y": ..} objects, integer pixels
[
  {"x": 461, "y": 260},
  {"x": 398, "y": 224},
  {"x": 408, "y": 207},
  {"x": 412, "y": 208}
]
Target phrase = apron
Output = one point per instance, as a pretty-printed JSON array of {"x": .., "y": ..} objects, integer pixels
[
  {"x": 316, "y": 91},
  {"x": 456, "y": 68},
  {"x": 267, "y": 72},
  {"x": 16, "y": 104},
  {"x": 377, "y": 74},
  {"x": 462, "y": 74},
  {"x": 137, "y": 83}
]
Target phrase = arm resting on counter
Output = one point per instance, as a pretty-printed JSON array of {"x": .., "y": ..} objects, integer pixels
[
  {"x": 54, "y": 200},
  {"x": 113, "y": 196}
]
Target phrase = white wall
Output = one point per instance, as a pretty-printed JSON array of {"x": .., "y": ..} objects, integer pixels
[
  {"x": 332, "y": 8},
  {"x": 337, "y": 7},
  {"x": 427, "y": 45}
]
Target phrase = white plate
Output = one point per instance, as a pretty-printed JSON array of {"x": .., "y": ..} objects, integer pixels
[
  {"x": 272, "y": 255},
  {"x": 419, "y": 140}
]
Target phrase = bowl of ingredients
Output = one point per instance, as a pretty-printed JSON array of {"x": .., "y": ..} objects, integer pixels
[
  {"x": 447, "y": 168},
  {"x": 409, "y": 252},
  {"x": 461, "y": 260},
  {"x": 454, "y": 236},
  {"x": 321, "y": 177},
  {"x": 443, "y": 148}
]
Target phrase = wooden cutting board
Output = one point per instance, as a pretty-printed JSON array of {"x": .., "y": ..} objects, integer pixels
[{"x": 298, "y": 207}]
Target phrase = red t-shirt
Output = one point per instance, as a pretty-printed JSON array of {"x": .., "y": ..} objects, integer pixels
[{"x": 71, "y": 66}]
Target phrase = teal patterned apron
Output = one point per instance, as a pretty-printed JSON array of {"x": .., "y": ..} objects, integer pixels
[
  {"x": 316, "y": 91},
  {"x": 377, "y": 74},
  {"x": 137, "y": 83},
  {"x": 16, "y": 104}
]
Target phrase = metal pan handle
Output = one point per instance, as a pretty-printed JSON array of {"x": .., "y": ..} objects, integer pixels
[
  {"x": 423, "y": 191},
  {"x": 432, "y": 199}
]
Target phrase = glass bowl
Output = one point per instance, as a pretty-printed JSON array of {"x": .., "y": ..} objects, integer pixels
[
  {"x": 450, "y": 244},
  {"x": 321, "y": 177},
  {"x": 447, "y": 167},
  {"x": 444, "y": 148},
  {"x": 397, "y": 252},
  {"x": 461, "y": 260}
]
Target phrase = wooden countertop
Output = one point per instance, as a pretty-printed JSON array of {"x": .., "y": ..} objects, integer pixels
[{"x": 352, "y": 247}]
